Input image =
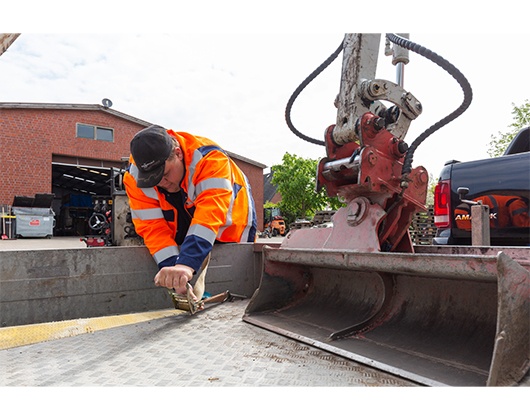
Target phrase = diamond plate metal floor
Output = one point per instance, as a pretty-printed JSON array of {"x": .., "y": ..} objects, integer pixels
[{"x": 212, "y": 348}]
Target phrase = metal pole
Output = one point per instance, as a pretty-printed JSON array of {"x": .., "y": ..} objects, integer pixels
[
  {"x": 480, "y": 225},
  {"x": 400, "y": 57}
]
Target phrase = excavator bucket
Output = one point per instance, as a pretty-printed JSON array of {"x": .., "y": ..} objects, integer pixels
[
  {"x": 439, "y": 316},
  {"x": 436, "y": 318},
  {"x": 435, "y": 315}
]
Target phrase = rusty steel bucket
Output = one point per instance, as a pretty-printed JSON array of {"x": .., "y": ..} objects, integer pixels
[{"x": 441, "y": 316}]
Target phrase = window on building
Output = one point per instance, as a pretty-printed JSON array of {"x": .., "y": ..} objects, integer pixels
[
  {"x": 85, "y": 131},
  {"x": 105, "y": 134}
]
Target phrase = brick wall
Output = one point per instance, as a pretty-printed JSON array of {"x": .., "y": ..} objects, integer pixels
[
  {"x": 29, "y": 138},
  {"x": 255, "y": 177}
]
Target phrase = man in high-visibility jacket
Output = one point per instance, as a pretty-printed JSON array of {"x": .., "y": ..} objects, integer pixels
[{"x": 185, "y": 194}]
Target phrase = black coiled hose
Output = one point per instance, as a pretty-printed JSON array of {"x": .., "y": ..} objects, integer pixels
[
  {"x": 299, "y": 89},
  {"x": 453, "y": 71},
  {"x": 411, "y": 46}
]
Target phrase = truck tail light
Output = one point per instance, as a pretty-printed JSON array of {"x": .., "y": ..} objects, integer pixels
[{"x": 442, "y": 204}]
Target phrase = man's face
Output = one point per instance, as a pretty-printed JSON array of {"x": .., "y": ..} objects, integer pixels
[{"x": 173, "y": 172}]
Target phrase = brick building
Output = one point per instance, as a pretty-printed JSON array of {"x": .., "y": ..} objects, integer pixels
[
  {"x": 75, "y": 152},
  {"x": 270, "y": 191}
]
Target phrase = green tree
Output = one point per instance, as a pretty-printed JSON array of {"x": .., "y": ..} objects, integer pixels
[
  {"x": 430, "y": 190},
  {"x": 295, "y": 179},
  {"x": 521, "y": 116}
]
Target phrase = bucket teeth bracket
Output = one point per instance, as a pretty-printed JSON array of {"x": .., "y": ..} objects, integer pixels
[{"x": 376, "y": 318}]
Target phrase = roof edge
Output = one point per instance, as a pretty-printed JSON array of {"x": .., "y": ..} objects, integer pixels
[
  {"x": 77, "y": 107},
  {"x": 244, "y": 159},
  {"x": 97, "y": 107}
]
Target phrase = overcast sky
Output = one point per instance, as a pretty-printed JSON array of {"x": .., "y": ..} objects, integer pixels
[
  {"x": 233, "y": 86},
  {"x": 226, "y": 69}
]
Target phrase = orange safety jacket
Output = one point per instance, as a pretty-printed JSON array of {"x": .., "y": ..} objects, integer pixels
[{"x": 218, "y": 204}]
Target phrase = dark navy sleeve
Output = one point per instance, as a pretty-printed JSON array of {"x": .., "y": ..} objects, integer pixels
[{"x": 193, "y": 252}]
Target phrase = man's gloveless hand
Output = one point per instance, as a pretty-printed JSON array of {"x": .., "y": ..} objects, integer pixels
[{"x": 175, "y": 277}]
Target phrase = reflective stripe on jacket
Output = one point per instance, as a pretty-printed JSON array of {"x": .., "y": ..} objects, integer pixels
[{"x": 218, "y": 196}]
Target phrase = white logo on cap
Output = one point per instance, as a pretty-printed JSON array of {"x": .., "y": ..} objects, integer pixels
[{"x": 145, "y": 166}]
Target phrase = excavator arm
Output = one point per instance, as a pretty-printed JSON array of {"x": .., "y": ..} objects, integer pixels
[
  {"x": 6, "y": 40},
  {"x": 360, "y": 91},
  {"x": 360, "y": 288},
  {"x": 365, "y": 155}
]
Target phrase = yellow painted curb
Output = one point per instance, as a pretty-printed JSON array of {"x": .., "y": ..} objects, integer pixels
[{"x": 23, "y": 335}]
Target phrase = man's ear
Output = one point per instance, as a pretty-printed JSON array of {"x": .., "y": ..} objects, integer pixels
[{"x": 178, "y": 153}]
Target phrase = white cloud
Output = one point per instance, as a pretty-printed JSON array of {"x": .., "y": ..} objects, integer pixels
[{"x": 234, "y": 88}]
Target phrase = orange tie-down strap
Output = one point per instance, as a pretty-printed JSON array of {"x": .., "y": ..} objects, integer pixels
[{"x": 187, "y": 303}]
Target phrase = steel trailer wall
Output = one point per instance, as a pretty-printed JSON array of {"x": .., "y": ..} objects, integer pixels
[{"x": 58, "y": 284}]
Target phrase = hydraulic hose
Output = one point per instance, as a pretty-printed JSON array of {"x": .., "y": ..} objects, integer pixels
[
  {"x": 453, "y": 71},
  {"x": 299, "y": 89},
  {"x": 411, "y": 46}
]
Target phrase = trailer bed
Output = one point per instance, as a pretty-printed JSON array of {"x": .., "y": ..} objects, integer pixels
[
  {"x": 212, "y": 348},
  {"x": 93, "y": 317}
]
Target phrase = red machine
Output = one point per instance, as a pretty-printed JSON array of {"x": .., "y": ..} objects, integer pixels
[{"x": 361, "y": 289}]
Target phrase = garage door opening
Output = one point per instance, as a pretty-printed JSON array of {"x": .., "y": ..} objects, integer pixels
[{"x": 80, "y": 190}]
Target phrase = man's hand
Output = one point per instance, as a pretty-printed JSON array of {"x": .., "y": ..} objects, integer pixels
[{"x": 176, "y": 277}]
